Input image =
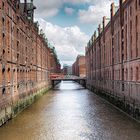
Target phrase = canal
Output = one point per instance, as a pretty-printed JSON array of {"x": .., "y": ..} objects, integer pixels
[{"x": 70, "y": 112}]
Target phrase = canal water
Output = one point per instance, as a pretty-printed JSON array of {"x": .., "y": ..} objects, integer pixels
[{"x": 70, "y": 112}]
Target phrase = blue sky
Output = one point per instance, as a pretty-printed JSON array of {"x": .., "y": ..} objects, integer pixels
[
  {"x": 64, "y": 20},
  {"x": 69, "y": 24}
]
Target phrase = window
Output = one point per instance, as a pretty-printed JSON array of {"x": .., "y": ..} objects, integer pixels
[
  {"x": 131, "y": 46},
  {"x": 126, "y": 74},
  {"x": 122, "y": 74},
  {"x": 122, "y": 57},
  {"x": 3, "y": 70},
  {"x": 122, "y": 33},
  {"x": 17, "y": 31},
  {"x": 123, "y": 88},
  {"x": 118, "y": 74},
  {"x": 136, "y": 4},
  {"x": 131, "y": 74},
  {"x": 3, "y": 90},
  {"x": 130, "y": 27},
  {"x": 18, "y": 6},
  {"x": 122, "y": 45},
  {"x": 112, "y": 41},
  {"x": 8, "y": 69},
  {"x": 2, "y": 5},
  {"x": 17, "y": 45},
  {"x": 137, "y": 51},
  {"x": 126, "y": 15},
  {"x": 137, "y": 73},
  {"x": 131, "y": 38},
  {"x": 130, "y": 10},
  {"x": 18, "y": 56},
  {"x": 136, "y": 22},
  {"x": 3, "y": 52},
  {"x": 3, "y": 20},
  {"x": 126, "y": 40},
  {"x": 136, "y": 36},
  {"x": 8, "y": 75},
  {"x": 3, "y": 35}
]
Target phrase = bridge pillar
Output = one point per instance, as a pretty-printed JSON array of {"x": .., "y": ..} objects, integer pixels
[
  {"x": 55, "y": 82},
  {"x": 83, "y": 83}
]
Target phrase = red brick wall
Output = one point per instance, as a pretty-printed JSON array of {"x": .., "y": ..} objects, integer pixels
[
  {"x": 79, "y": 67},
  {"x": 113, "y": 57},
  {"x": 24, "y": 55}
]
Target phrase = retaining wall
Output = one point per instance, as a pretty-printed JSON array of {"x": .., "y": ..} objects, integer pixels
[
  {"x": 12, "y": 110},
  {"x": 131, "y": 106}
]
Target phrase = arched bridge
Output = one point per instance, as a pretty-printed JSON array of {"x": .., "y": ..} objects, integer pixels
[{"x": 57, "y": 78}]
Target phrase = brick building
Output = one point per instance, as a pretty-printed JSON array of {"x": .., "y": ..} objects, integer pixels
[
  {"x": 69, "y": 70},
  {"x": 113, "y": 57},
  {"x": 79, "y": 67},
  {"x": 55, "y": 66},
  {"x": 25, "y": 58},
  {"x": 65, "y": 69}
]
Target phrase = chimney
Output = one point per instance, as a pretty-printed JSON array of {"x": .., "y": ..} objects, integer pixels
[
  {"x": 112, "y": 10},
  {"x": 99, "y": 29},
  {"x": 121, "y": 2},
  {"x": 95, "y": 36},
  {"x": 92, "y": 38},
  {"x": 104, "y": 22},
  {"x": 25, "y": 6},
  {"x": 121, "y": 12}
]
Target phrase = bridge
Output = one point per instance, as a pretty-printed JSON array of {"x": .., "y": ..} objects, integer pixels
[{"x": 57, "y": 78}]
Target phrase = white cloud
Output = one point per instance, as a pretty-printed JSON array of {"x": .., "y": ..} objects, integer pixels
[
  {"x": 76, "y": 1},
  {"x": 69, "y": 10},
  {"x": 95, "y": 12},
  {"x": 68, "y": 41},
  {"x": 49, "y": 8}
]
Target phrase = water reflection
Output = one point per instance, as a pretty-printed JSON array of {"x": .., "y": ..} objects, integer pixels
[
  {"x": 71, "y": 112},
  {"x": 68, "y": 85}
]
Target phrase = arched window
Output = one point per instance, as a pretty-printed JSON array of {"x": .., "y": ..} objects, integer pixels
[
  {"x": 3, "y": 90},
  {"x": 8, "y": 75}
]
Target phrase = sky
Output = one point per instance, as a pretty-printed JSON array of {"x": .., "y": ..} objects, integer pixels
[{"x": 69, "y": 24}]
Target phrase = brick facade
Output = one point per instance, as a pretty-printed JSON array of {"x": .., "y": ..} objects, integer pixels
[
  {"x": 79, "y": 67},
  {"x": 55, "y": 66},
  {"x": 25, "y": 58},
  {"x": 113, "y": 57}
]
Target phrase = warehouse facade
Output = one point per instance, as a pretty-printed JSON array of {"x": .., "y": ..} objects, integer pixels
[
  {"x": 113, "y": 57},
  {"x": 79, "y": 67},
  {"x": 25, "y": 58}
]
